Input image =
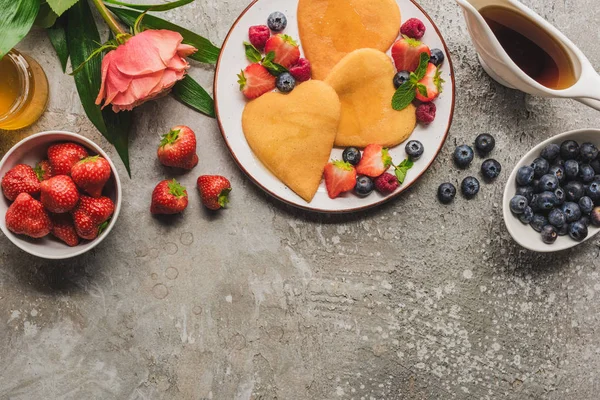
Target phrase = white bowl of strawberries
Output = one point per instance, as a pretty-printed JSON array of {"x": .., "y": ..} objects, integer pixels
[{"x": 61, "y": 195}]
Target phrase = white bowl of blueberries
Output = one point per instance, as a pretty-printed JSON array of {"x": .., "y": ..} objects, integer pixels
[{"x": 552, "y": 197}]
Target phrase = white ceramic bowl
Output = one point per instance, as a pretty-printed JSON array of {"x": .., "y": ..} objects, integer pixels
[
  {"x": 524, "y": 234},
  {"x": 33, "y": 149}
]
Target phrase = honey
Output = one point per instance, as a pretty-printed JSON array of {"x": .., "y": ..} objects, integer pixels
[{"x": 23, "y": 91}]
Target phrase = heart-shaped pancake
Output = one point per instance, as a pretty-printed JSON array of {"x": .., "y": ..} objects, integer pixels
[
  {"x": 292, "y": 134},
  {"x": 363, "y": 81},
  {"x": 330, "y": 29}
]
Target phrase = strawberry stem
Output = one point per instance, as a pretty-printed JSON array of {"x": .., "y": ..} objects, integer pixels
[
  {"x": 176, "y": 189},
  {"x": 169, "y": 138},
  {"x": 223, "y": 198}
]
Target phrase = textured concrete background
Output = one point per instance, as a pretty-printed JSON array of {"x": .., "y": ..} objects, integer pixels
[{"x": 413, "y": 300}]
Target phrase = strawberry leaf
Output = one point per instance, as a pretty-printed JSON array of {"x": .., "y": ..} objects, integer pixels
[
  {"x": 403, "y": 96},
  {"x": 402, "y": 169},
  {"x": 252, "y": 53},
  {"x": 437, "y": 80},
  {"x": 176, "y": 189},
  {"x": 422, "y": 68},
  {"x": 223, "y": 198}
]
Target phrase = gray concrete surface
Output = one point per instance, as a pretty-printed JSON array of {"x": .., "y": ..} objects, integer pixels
[{"x": 413, "y": 300}]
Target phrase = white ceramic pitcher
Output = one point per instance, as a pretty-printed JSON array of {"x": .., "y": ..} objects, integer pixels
[{"x": 497, "y": 63}]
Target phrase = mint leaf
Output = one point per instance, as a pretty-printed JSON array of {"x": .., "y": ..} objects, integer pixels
[
  {"x": 252, "y": 53},
  {"x": 273, "y": 68},
  {"x": 269, "y": 57},
  {"x": 402, "y": 169},
  {"x": 403, "y": 96},
  {"x": 422, "y": 68},
  {"x": 422, "y": 89}
]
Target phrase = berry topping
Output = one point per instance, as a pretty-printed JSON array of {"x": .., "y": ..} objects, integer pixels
[
  {"x": 400, "y": 78},
  {"x": 432, "y": 83},
  {"x": 375, "y": 161},
  {"x": 285, "y": 82},
  {"x": 414, "y": 149},
  {"x": 386, "y": 183},
  {"x": 406, "y": 53},
  {"x": 277, "y": 21},
  {"x": 301, "y": 71},
  {"x": 426, "y": 113},
  {"x": 437, "y": 57},
  {"x": 413, "y": 28},
  {"x": 259, "y": 34},
  {"x": 364, "y": 186},
  {"x": 351, "y": 155},
  {"x": 446, "y": 192},
  {"x": 285, "y": 49},
  {"x": 255, "y": 81},
  {"x": 340, "y": 177}
]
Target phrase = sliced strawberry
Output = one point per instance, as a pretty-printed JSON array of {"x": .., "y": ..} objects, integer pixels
[
  {"x": 340, "y": 177},
  {"x": 374, "y": 162},
  {"x": 432, "y": 82},
  {"x": 406, "y": 53},
  {"x": 285, "y": 48},
  {"x": 255, "y": 81}
]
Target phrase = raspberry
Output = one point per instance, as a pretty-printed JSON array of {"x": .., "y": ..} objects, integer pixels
[
  {"x": 426, "y": 113},
  {"x": 386, "y": 183},
  {"x": 301, "y": 70},
  {"x": 413, "y": 28},
  {"x": 259, "y": 35}
]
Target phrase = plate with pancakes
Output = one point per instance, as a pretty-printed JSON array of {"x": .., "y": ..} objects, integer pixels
[{"x": 283, "y": 141}]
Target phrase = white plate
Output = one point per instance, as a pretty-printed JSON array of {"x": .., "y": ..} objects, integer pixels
[
  {"x": 524, "y": 234},
  {"x": 229, "y": 105}
]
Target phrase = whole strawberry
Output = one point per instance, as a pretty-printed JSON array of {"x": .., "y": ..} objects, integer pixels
[
  {"x": 43, "y": 170},
  {"x": 214, "y": 191},
  {"x": 64, "y": 229},
  {"x": 26, "y": 216},
  {"x": 178, "y": 148},
  {"x": 91, "y": 174},
  {"x": 59, "y": 194},
  {"x": 169, "y": 197},
  {"x": 91, "y": 216},
  {"x": 62, "y": 157},
  {"x": 20, "y": 179}
]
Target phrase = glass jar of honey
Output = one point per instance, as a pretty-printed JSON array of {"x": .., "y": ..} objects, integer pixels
[{"x": 23, "y": 91}]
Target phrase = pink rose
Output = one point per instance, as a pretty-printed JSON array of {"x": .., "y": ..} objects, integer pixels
[{"x": 143, "y": 68}]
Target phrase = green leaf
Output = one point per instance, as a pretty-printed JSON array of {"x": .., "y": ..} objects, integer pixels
[
  {"x": 82, "y": 41},
  {"x": 157, "y": 7},
  {"x": 189, "y": 92},
  {"x": 422, "y": 68},
  {"x": 422, "y": 89},
  {"x": 252, "y": 53},
  {"x": 274, "y": 68},
  {"x": 207, "y": 52},
  {"x": 403, "y": 96},
  {"x": 60, "y": 6},
  {"x": 46, "y": 17},
  {"x": 402, "y": 169},
  {"x": 16, "y": 19},
  {"x": 58, "y": 38}
]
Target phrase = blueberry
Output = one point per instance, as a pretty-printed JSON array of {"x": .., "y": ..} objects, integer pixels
[
  {"x": 414, "y": 149},
  {"x": 400, "y": 78},
  {"x": 518, "y": 204},
  {"x": 557, "y": 218},
  {"x": 463, "y": 155},
  {"x": 526, "y": 216},
  {"x": 469, "y": 187},
  {"x": 560, "y": 195},
  {"x": 437, "y": 57},
  {"x": 490, "y": 169},
  {"x": 364, "y": 186},
  {"x": 551, "y": 152},
  {"x": 596, "y": 165},
  {"x": 593, "y": 191},
  {"x": 558, "y": 172},
  {"x": 285, "y": 82},
  {"x": 585, "y": 220},
  {"x": 485, "y": 143},
  {"x": 549, "y": 234},
  {"x": 586, "y": 205},
  {"x": 575, "y": 190},
  {"x": 525, "y": 175},
  {"x": 563, "y": 230},
  {"x": 571, "y": 169},
  {"x": 540, "y": 167},
  {"x": 277, "y": 21},
  {"x": 548, "y": 182},
  {"x": 588, "y": 152},
  {"x": 560, "y": 162},
  {"x": 569, "y": 150},
  {"x": 534, "y": 203},
  {"x": 525, "y": 191},
  {"x": 578, "y": 231},
  {"x": 446, "y": 192},
  {"x": 538, "y": 222},
  {"x": 536, "y": 186},
  {"x": 586, "y": 173},
  {"x": 571, "y": 211},
  {"x": 546, "y": 201},
  {"x": 351, "y": 155},
  {"x": 595, "y": 216}
]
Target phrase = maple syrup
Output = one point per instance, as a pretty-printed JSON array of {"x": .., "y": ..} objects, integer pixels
[{"x": 533, "y": 49}]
